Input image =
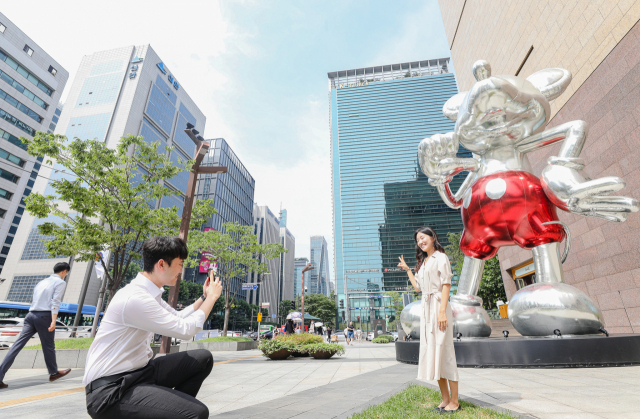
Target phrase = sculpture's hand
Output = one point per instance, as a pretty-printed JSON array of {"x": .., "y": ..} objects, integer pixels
[
  {"x": 435, "y": 154},
  {"x": 570, "y": 191}
]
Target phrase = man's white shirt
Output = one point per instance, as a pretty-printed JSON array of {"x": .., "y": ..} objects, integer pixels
[{"x": 127, "y": 328}]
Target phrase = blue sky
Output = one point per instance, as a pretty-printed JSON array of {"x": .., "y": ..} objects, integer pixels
[{"x": 258, "y": 71}]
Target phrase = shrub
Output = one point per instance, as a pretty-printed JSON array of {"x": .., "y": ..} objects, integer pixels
[
  {"x": 389, "y": 338},
  {"x": 322, "y": 347},
  {"x": 274, "y": 345},
  {"x": 380, "y": 339},
  {"x": 301, "y": 339}
]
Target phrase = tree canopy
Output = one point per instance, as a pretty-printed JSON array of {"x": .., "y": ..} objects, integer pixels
[
  {"x": 236, "y": 252},
  {"x": 106, "y": 201}
]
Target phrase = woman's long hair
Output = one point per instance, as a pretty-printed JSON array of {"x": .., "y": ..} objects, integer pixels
[{"x": 420, "y": 255}]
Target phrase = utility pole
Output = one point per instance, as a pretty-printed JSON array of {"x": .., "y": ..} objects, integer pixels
[
  {"x": 305, "y": 269},
  {"x": 196, "y": 169}
]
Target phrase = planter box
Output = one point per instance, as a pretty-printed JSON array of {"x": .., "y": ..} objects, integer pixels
[
  {"x": 219, "y": 346},
  {"x": 280, "y": 355},
  {"x": 172, "y": 350},
  {"x": 323, "y": 354}
]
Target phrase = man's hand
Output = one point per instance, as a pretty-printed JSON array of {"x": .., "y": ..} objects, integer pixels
[
  {"x": 52, "y": 327},
  {"x": 214, "y": 289}
]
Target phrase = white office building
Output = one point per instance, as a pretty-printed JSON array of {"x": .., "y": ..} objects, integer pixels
[
  {"x": 115, "y": 93},
  {"x": 31, "y": 83},
  {"x": 278, "y": 284}
]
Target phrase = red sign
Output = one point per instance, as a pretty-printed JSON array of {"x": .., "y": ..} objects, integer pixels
[{"x": 205, "y": 259}]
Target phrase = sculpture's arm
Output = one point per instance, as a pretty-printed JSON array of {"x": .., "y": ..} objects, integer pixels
[
  {"x": 573, "y": 133},
  {"x": 437, "y": 157},
  {"x": 455, "y": 200}
]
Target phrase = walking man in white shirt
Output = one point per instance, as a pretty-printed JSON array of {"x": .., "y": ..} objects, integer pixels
[
  {"x": 121, "y": 379},
  {"x": 41, "y": 319}
]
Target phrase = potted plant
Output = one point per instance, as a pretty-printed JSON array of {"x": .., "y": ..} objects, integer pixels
[
  {"x": 299, "y": 341},
  {"x": 323, "y": 350},
  {"x": 277, "y": 349}
]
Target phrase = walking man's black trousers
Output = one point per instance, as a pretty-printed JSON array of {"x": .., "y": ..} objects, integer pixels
[
  {"x": 165, "y": 388},
  {"x": 35, "y": 322}
]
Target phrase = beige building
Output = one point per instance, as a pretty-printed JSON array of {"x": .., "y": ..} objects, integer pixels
[{"x": 599, "y": 42}]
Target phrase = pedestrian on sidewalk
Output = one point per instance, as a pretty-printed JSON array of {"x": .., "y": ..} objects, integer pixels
[
  {"x": 437, "y": 359},
  {"x": 121, "y": 378},
  {"x": 329, "y": 334},
  {"x": 289, "y": 327},
  {"x": 41, "y": 319},
  {"x": 350, "y": 333},
  {"x": 312, "y": 327}
]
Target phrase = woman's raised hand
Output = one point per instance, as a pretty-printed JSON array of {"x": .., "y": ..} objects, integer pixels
[{"x": 403, "y": 264}]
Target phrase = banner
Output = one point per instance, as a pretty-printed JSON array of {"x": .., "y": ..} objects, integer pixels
[
  {"x": 205, "y": 258},
  {"x": 98, "y": 265}
]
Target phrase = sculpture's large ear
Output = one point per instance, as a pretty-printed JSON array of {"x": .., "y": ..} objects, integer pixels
[
  {"x": 452, "y": 106},
  {"x": 551, "y": 81}
]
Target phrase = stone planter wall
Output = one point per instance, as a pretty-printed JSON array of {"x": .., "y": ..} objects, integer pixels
[{"x": 219, "y": 346}]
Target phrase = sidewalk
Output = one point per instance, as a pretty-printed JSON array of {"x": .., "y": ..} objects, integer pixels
[{"x": 245, "y": 384}]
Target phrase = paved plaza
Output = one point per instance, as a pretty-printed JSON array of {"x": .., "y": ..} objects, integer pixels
[{"x": 247, "y": 385}]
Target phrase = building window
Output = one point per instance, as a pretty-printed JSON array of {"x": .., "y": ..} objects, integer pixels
[
  {"x": 22, "y": 287},
  {"x": 12, "y": 158},
  {"x": 8, "y": 176},
  {"x": 5, "y": 194},
  {"x": 2, "y": 212},
  {"x": 20, "y": 88},
  {"x": 25, "y": 73},
  {"x": 52, "y": 70},
  {"x": 28, "y": 50},
  {"x": 2, "y": 28}
]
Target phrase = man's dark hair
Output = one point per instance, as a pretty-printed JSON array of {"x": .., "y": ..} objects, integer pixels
[
  {"x": 61, "y": 267},
  {"x": 165, "y": 248}
]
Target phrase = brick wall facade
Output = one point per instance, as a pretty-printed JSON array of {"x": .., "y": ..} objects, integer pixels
[
  {"x": 572, "y": 34},
  {"x": 599, "y": 42},
  {"x": 605, "y": 257}
]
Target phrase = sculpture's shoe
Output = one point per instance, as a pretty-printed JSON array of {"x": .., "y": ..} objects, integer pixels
[
  {"x": 540, "y": 309},
  {"x": 469, "y": 318}
]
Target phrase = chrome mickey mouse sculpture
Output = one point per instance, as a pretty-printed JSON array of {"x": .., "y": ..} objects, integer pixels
[{"x": 500, "y": 120}]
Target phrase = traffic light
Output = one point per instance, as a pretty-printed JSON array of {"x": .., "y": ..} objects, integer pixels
[
  {"x": 259, "y": 317},
  {"x": 358, "y": 318},
  {"x": 341, "y": 303}
]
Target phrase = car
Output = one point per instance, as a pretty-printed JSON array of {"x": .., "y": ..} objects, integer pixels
[
  {"x": 10, "y": 330},
  {"x": 370, "y": 335}
]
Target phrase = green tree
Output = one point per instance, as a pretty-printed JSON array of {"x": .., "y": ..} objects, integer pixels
[
  {"x": 286, "y": 307},
  {"x": 321, "y": 306},
  {"x": 398, "y": 305},
  {"x": 236, "y": 251},
  {"x": 105, "y": 204},
  {"x": 188, "y": 293},
  {"x": 491, "y": 286}
]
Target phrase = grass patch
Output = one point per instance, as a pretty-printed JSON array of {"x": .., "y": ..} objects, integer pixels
[
  {"x": 417, "y": 401},
  {"x": 226, "y": 339},
  {"x": 78, "y": 343}
]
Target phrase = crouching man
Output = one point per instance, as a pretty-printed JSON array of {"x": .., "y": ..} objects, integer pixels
[{"x": 121, "y": 379}]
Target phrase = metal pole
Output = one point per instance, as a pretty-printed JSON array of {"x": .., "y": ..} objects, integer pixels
[
  {"x": 83, "y": 294},
  {"x": 103, "y": 289},
  {"x": 165, "y": 346}
]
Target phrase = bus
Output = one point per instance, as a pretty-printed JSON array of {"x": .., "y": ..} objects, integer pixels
[{"x": 66, "y": 314}]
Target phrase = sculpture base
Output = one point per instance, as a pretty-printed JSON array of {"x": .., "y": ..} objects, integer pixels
[{"x": 537, "y": 352}]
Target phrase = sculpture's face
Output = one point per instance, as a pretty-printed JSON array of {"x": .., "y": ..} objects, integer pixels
[{"x": 499, "y": 111}]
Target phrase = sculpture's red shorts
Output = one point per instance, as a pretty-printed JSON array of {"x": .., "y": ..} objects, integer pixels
[{"x": 504, "y": 209}]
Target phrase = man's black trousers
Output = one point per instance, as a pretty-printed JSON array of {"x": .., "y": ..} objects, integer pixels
[
  {"x": 35, "y": 322},
  {"x": 165, "y": 388}
]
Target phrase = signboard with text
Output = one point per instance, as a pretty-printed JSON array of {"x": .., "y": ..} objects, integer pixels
[{"x": 205, "y": 259}]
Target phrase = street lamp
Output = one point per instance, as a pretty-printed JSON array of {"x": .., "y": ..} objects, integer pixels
[
  {"x": 196, "y": 169},
  {"x": 309, "y": 267}
]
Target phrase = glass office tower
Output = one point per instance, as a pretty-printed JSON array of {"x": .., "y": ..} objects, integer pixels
[
  {"x": 378, "y": 116},
  {"x": 319, "y": 275}
]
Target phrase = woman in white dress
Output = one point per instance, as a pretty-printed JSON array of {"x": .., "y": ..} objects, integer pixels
[{"x": 437, "y": 355}]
